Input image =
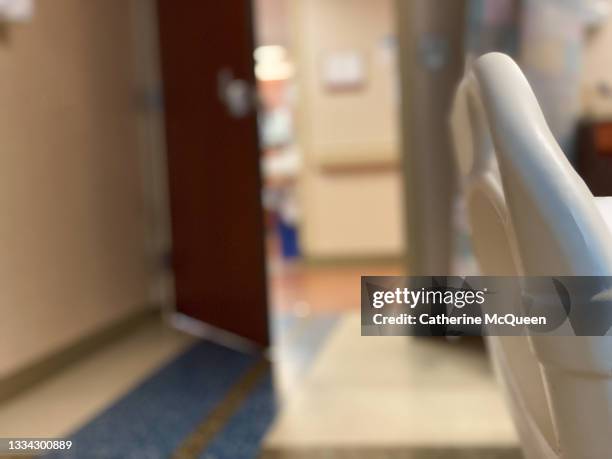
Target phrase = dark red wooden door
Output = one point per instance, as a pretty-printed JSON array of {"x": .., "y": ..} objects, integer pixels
[{"x": 213, "y": 163}]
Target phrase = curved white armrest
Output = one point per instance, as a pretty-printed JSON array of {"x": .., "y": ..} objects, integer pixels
[
  {"x": 560, "y": 230},
  {"x": 604, "y": 206}
]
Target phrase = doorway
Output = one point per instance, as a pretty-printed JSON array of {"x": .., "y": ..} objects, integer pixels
[
  {"x": 332, "y": 182},
  {"x": 313, "y": 180}
]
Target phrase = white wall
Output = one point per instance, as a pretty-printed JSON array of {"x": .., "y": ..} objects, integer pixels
[
  {"x": 72, "y": 253},
  {"x": 351, "y": 186}
]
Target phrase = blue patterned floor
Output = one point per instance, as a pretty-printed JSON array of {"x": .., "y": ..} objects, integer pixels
[
  {"x": 153, "y": 420},
  {"x": 242, "y": 435}
]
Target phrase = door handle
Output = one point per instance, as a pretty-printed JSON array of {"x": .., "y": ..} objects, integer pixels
[{"x": 238, "y": 96}]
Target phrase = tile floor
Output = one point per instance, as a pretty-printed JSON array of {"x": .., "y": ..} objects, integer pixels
[
  {"x": 303, "y": 288},
  {"x": 394, "y": 397}
]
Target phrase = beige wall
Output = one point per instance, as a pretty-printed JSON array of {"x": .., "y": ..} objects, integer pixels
[
  {"x": 72, "y": 255},
  {"x": 351, "y": 205}
]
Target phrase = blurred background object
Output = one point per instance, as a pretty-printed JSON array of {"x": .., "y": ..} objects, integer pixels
[{"x": 16, "y": 10}]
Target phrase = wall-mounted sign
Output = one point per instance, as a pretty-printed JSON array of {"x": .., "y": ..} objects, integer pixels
[
  {"x": 16, "y": 10},
  {"x": 344, "y": 70}
]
